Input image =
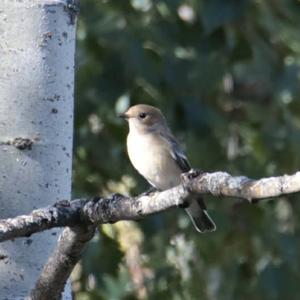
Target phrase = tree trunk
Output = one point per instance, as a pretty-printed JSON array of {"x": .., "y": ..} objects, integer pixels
[{"x": 37, "y": 44}]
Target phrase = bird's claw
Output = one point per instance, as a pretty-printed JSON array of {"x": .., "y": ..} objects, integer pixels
[
  {"x": 191, "y": 174},
  {"x": 186, "y": 180}
]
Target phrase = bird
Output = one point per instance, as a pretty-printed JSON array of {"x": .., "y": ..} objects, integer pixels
[{"x": 156, "y": 155}]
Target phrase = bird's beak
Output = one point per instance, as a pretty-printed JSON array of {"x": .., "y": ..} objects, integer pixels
[{"x": 124, "y": 116}]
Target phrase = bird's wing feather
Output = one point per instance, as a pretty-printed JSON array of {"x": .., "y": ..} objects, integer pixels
[
  {"x": 197, "y": 209},
  {"x": 176, "y": 152}
]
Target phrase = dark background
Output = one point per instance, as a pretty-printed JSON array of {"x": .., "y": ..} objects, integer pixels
[{"x": 226, "y": 75}]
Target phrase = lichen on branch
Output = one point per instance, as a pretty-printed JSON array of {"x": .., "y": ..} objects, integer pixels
[{"x": 118, "y": 207}]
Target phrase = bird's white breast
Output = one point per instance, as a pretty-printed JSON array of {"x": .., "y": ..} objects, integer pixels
[
  {"x": 151, "y": 159},
  {"x": 141, "y": 153}
]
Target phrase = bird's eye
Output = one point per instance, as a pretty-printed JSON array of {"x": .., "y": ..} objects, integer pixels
[{"x": 142, "y": 115}]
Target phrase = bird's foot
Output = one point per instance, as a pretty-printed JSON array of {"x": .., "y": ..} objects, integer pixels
[
  {"x": 186, "y": 180},
  {"x": 191, "y": 174}
]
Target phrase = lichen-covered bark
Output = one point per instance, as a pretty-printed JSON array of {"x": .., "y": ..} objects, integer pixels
[
  {"x": 223, "y": 184},
  {"x": 117, "y": 207},
  {"x": 84, "y": 214},
  {"x": 63, "y": 213}
]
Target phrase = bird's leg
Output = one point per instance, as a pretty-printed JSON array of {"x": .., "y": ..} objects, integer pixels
[
  {"x": 193, "y": 173},
  {"x": 186, "y": 178}
]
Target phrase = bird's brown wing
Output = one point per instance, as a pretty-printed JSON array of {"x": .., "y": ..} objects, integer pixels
[
  {"x": 197, "y": 209},
  {"x": 176, "y": 151}
]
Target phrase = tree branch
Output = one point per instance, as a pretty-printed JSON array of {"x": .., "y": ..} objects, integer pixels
[
  {"x": 63, "y": 213},
  {"x": 82, "y": 215},
  {"x": 223, "y": 184},
  {"x": 57, "y": 270},
  {"x": 118, "y": 207}
]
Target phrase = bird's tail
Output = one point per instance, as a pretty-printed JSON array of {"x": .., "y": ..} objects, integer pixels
[{"x": 199, "y": 216}]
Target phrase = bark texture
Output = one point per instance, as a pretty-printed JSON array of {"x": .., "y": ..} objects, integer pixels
[
  {"x": 37, "y": 44},
  {"x": 83, "y": 215},
  {"x": 57, "y": 270},
  {"x": 118, "y": 207}
]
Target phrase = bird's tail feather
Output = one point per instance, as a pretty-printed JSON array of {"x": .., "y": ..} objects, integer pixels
[{"x": 199, "y": 216}]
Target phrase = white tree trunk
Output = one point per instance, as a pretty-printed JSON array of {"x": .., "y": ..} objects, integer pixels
[{"x": 37, "y": 44}]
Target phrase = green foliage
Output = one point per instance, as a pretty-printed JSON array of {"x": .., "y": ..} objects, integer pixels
[{"x": 226, "y": 74}]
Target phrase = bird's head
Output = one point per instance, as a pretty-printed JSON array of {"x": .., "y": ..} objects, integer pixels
[{"x": 144, "y": 118}]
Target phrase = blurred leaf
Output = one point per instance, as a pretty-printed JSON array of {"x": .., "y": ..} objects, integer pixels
[{"x": 217, "y": 13}]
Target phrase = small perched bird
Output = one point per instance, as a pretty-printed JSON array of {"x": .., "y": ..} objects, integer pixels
[{"x": 156, "y": 155}]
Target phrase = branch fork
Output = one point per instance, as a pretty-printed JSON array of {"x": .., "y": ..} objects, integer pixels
[{"x": 81, "y": 216}]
